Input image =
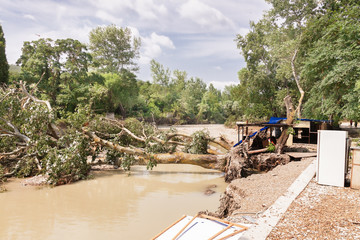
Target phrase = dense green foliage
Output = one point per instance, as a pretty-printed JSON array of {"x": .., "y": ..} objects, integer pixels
[
  {"x": 4, "y": 66},
  {"x": 332, "y": 66},
  {"x": 60, "y": 70},
  {"x": 114, "y": 49},
  {"x": 302, "y": 45},
  {"x": 63, "y": 159}
]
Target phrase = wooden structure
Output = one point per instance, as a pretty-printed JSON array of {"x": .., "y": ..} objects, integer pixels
[
  {"x": 243, "y": 128},
  {"x": 305, "y": 131},
  {"x": 355, "y": 168}
]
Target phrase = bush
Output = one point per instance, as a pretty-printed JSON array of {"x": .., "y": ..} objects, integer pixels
[{"x": 199, "y": 143}]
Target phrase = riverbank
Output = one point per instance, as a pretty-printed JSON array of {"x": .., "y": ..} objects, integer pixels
[{"x": 255, "y": 193}]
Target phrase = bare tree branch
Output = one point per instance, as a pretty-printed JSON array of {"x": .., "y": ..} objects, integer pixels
[
  {"x": 6, "y": 95},
  {"x": 47, "y": 103},
  {"x": 16, "y": 132},
  {"x": 16, "y": 151},
  {"x": 53, "y": 128},
  {"x": 297, "y": 80}
]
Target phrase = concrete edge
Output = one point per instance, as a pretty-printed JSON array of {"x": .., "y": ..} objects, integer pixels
[{"x": 264, "y": 225}]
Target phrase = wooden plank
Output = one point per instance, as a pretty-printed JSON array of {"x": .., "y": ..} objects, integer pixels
[
  {"x": 301, "y": 154},
  {"x": 185, "y": 226},
  {"x": 302, "y": 124},
  {"x": 355, "y": 177},
  {"x": 356, "y": 155}
]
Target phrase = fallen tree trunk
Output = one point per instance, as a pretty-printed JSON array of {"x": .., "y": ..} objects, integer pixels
[{"x": 203, "y": 160}]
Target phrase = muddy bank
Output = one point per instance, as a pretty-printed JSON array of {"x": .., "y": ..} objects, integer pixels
[{"x": 255, "y": 193}]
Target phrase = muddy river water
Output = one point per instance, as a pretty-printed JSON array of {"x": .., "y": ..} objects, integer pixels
[{"x": 113, "y": 205}]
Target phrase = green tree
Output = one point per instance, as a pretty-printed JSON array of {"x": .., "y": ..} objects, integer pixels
[
  {"x": 191, "y": 98},
  {"x": 332, "y": 67},
  {"x": 4, "y": 66},
  {"x": 159, "y": 74},
  {"x": 210, "y": 108},
  {"x": 57, "y": 67},
  {"x": 274, "y": 56},
  {"x": 114, "y": 49},
  {"x": 258, "y": 81},
  {"x": 123, "y": 90}
]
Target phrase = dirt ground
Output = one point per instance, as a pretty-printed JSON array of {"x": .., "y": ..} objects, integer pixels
[
  {"x": 321, "y": 212},
  {"x": 215, "y": 130},
  {"x": 260, "y": 191}
]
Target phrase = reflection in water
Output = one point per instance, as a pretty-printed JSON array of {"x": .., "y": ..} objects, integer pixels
[{"x": 114, "y": 205}]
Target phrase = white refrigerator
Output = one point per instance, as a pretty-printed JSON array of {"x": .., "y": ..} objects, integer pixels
[{"x": 332, "y": 157}]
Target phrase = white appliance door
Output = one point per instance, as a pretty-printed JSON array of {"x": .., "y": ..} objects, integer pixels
[{"x": 331, "y": 159}]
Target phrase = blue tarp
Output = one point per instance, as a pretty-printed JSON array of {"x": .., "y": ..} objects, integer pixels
[{"x": 274, "y": 120}]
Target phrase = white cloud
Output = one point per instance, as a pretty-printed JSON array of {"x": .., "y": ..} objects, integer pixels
[
  {"x": 220, "y": 47},
  {"x": 153, "y": 47},
  {"x": 28, "y": 16},
  {"x": 147, "y": 9},
  {"x": 162, "y": 40},
  {"x": 203, "y": 30},
  {"x": 204, "y": 15},
  {"x": 221, "y": 84},
  {"x": 107, "y": 17}
]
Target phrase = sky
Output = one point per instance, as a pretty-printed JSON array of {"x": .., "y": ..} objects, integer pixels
[{"x": 196, "y": 36}]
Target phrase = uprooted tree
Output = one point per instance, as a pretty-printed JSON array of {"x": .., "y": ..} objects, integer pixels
[{"x": 37, "y": 139}]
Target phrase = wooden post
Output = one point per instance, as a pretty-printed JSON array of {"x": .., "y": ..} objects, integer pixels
[
  {"x": 242, "y": 133},
  {"x": 238, "y": 128}
]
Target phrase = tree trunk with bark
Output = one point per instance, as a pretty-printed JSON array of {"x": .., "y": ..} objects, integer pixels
[{"x": 279, "y": 148}]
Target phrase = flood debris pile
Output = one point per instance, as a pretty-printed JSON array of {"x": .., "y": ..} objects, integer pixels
[
  {"x": 37, "y": 139},
  {"x": 32, "y": 143}
]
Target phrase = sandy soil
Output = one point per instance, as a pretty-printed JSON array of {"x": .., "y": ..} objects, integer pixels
[
  {"x": 215, "y": 130},
  {"x": 260, "y": 191}
]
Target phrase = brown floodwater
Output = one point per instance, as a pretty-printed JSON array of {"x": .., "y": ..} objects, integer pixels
[{"x": 113, "y": 205}]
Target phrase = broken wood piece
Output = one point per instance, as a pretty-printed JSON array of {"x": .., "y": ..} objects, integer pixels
[{"x": 301, "y": 154}]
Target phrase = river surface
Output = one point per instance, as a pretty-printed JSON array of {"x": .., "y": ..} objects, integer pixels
[{"x": 113, "y": 205}]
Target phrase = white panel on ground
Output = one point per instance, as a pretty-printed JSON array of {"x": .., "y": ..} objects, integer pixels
[
  {"x": 201, "y": 229},
  {"x": 331, "y": 159}
]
